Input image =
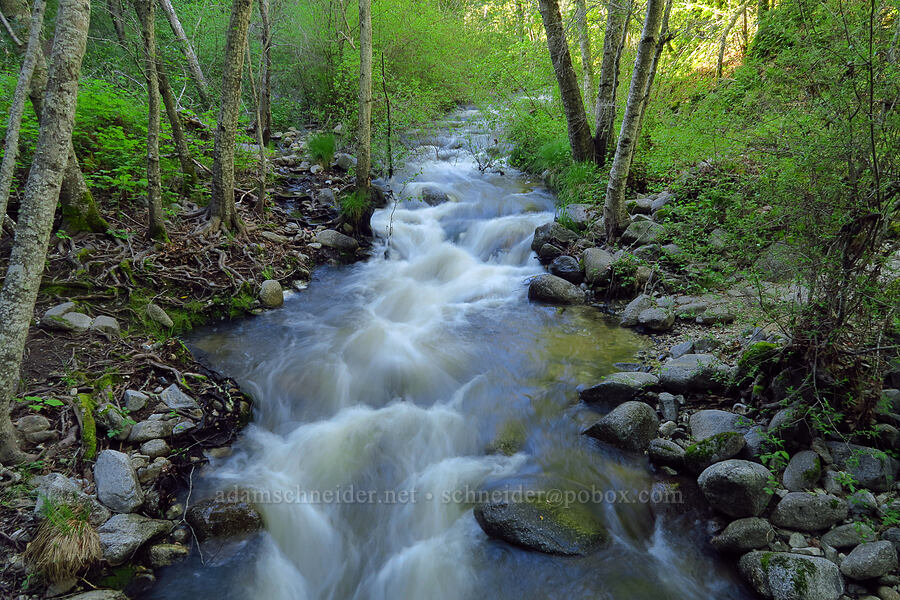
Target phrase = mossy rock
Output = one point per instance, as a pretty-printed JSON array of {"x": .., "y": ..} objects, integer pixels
[
  {"x": 753, "y": 358},
  {"x": 711, "y": 450},
  {"x": 511, "y": 436}
]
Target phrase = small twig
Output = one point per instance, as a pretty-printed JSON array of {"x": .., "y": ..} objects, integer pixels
[{"x": 10, "y": 31}]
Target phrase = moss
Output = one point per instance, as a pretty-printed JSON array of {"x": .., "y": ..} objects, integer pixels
[
  {"x": 572, "y": 516},
  {"x": 510, "y": 438},
  {"x": 753, "y": 358},
  {"x": 83, "y": 215},
  {"x": 119, "y": 578},
  {"x": 706, "y": 449},
  {"x": 88, "y": 426}
]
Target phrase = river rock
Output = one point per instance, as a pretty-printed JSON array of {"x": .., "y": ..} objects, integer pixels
[
  {"x": 708, "y": 451},
  {"x": 117, "y": 483},
  {"x": 694, "y": 373},
  {"x": 270, "y": 294},
  {"x": 562, "y": 530},
  {"x": 554, "y": 290},
  {"x": 57, "y": 488},
  {"x": 679, "y": 350},
  {"x": 743, "y": 535},
  {"x": 716, "y": 315},
  {"x": 567, "y": 267},
  {"x": 662, "y": 199},
  {"x": 849, "y": 535},
  {"x": 337, "y": 240},
  {"x": 870, "y": 560},
  {"x": 32, "y": 424},
  {"x": 52, "y": 319},
  {"x": 135, "y": 400},
  {"x": 111, "y": 419},
  {"x": 788, "y": 576},
  {"x": 99, "y": 595},
  {"x": 708, "y": 423},
  {"x": 149, "y": 430},
  {"x": 871, "y": 468},
  {"x": 639, "y": 206},
  {"x": 326, "y": 197},
  {"x": 666, "y": 453},
  {"x": 178, "y": 401},
  {"x": 631, "y": 315},
  {"x": 656, "y": 319},
  {"x": 597, "y": 262},
  {"x": 803, "y": 471},
  {"x": 105, "y": 325},
  {"x": 805, "y": 511},
  {"x": 344, "y": 161},
  {"x": 643, "y": 232},
  {"x": 123, "y": 535},
  {"x": 549, "y": 252},
  {"x": 433, "y": 196},
  {"x": 619, "y": 387},
  {"x": 219, "y": 518},
  {"x": 736, "y": 487},
  {"x": 75, "y": 322},
  {"x": 155, "y": 448},
  {"x": 553, "y": 233},
  {"x": 159, "y": 316},
  {"x": 629, "y": 426}
]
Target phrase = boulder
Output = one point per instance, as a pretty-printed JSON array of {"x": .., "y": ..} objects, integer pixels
[
  {"x": 548, "y": 252},
  {"x": 639, "y": 206},
  {"x": 159, "y": 316},
  {"x": 716, "y": 315},
  {"x": 642, "y": 232},
  {"x": 581, "y": 215},
  {"x": 553, "y": 233},
  {"x": 711, "y": 450},
  {"x": 270, "y": 294},
  {"x": 694, "y": 373},
  {"x": 149, "y": 430},
  {"x": 870, "y": 560},
  {"x": 871, "y": 468},
  {"x": 567, "y": 268},
  {"x": 219, "y": 518},
  {"x": 849, "y": 535},
  {"x": 736, "y": 487},
  {"x": 123, "y": 535},
  {"x": 155, "y": 448},
  {"x": 111, "y": 419},
  {"x": 178, "y": 401},
  {"x": 708, "y": 423},
  {"x": 344, "y": 161},
  {"x": 337, "y": 240},
  {"x": 662, "y": 199},
  {"x": 75, "y": 322},
  {"x": 597, "y": 262},
  {"x": 105, "y": 325},
  {"x": 326, "y": 197},
  {"x": 805, "y": 511},
  {"x": 743, "y": 535},
  {"x": 631, "y": 315},
  {"x": 32, "y": 424},
  {"x": 803, "y": 471},
  {"x": 53, "y": 317},
  {"x": 135, "y": 400},
  {"x": 619, "y": 387},
  {"x": 554, "y": 290},
  {"x": 117, "y": 483},
  {"x": 58, "y": 488},
  {"x": 656, "y": 319},
  {"x": 788, "y": 576},
  {"x": 679, "y": 350},
  {"x": 666, "y": 453},
  {"x": 163, "y": 555},
  {"x": 629, "y": 426},
  {"x": 433, "y": 196}
]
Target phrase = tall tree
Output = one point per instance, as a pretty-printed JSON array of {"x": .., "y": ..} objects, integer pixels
[
  {"x": 723, "y": 41},
  {"x": 115, "y": 14},
  {"x": 29, "y": 251},
  {"x": 587, "y": 60},
  {"x": 17, "y": 110},
  {"x": 573, "y": 107},
  {"x": 185, "y": 45},
  {"x": 617, "y": 16},
  {"x": 156, "y": 226},
  {"x": 188, "y": 172},
  {"x": 265, "y": 75},
  {"x": 364, "y": 129},
  {"x": 614, "y": 213},
  {"x": 222, "y": 209}
]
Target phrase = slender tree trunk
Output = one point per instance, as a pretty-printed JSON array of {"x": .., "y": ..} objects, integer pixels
[
  {"x": 222, "y": 209},
  {"x": 156, "y": 225},
  {"x": 520, "y": 21},
  {"x": 11, "y": 146},
  {"x": 26, "y": 262},
  {"x": 115, "y": 14},
  {"x": 723, "y": 41},
  {"x": 79, "y": 209},
  {"x": 262, "y": 163},
  {"x": 605, "y": 110},
  {"x": 587, "y": 66},
  {"x": 573, "y": 107},
  {"x": 664, "y": 37},
  {"x": 364, "y": 130},
  {"x": 265, "y": 75},
  {"x": 614, "y": 214},
  {"x": 188, "y": 173},
  {"x": 188, "y": 51}
]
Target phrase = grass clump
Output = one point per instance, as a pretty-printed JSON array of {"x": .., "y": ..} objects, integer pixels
[
  {"x": 321, "y": 148},
  {"x": 65, "y": 544}
]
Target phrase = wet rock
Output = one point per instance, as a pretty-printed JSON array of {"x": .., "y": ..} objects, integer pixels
[
  {"x": 218, "y": 518},
  {"x": 708, "y": 423},
  {"x": 111, "y": 420},
  {"x": 736, "y": 487},
  {"x": 656, "y": 319},
  {"x": 123, "y": 535},
  {"x": 155, "y": 448},
  {"x": 553, "y": 233},
  {"x": 716, "y": 315},
  {"x": 433, "y": 196},
  {"x": 694, "y": 373},
  {"x": 270, "y": 294},
  {"x": 711, "y": 450},
  {"x": 567, "y": 268},
  {"x": 554, "y": 290},
  {"x": 562, "y": 530},
  {"x": 805, "y": 511},
  {"x": 788, "y": 576},
  {"x": 668, "y": 405},
  {"x": 548, "y": 252},
  {"x": 178, "y": 401},
  {"x": 597, "y": 262},
  {"x": 679, "y": 350},
  {"x": 643, "y": 232},
  {"x": 629, "y": 426},
  {"x": 117, "y": 483},
  {"x": 619, "y": 387},
  {"x": 135, "y": 400},
  {"x": 666, "y": 452},
  {"x": 337, "y": 240},
  {"x": 743, "y": 535},
  {"x": 344, "y": 161},
  {"x": 849, "y": 535},
  {"x": 631, "y": 315},
  {"x": 148, "y": 430},
  {"x": 58, "y": 488},
  {"x": 871, "y": 468},
  {"x": 870, "y": 560},
  {"x": 159, "y": 316},
  {"x": 105, "y": 325},
  {"x": 163, "y": 555},
  {"x": 803, "y": 471}
]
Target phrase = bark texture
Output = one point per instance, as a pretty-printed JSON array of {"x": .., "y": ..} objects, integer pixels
[
  {"x": 188, "y": 172},
  {"x": 115, "y": 14},
  {"x": 614, "y": 213},
  {"x": 573, "y": 107},
  {"x": 605, "y": 109},
  {"x": 265, "y": 76},
  {"x": 364, "y": 129},
  {"x": 587, "y": 59},
  {"x": 222, "y": 209},
  {"x": 14, "y": 126},
  {"x": 26, "y": 262},
  {"x": 185, "y": 45}
]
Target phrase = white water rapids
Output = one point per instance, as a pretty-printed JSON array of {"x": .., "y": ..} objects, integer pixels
[{"x": 389, "y": 380}]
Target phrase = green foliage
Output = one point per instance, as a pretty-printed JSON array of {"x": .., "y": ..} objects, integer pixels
[
  {"x": 88, "y": 426},
  {"x": 37, "y": 403},
  {"x": 355, "y": 206},
  {"x": 321, "y": 148}
]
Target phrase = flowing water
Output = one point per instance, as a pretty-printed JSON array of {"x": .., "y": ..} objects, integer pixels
[{"x": 382, "y": 392}]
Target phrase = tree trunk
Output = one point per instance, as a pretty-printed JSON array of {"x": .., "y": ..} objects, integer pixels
[
  {"x": 188, "y": 51},
  {"x": 587, "y": 66},
  {"x": 222, "y": 209},
  {"x": 262, "y": 163},
  {"x": 573, "y": 107},
  {"x": 614, "y": 214},
  {"x": 664, "y": 38},
  {"x": 364, "y": 129},
  {"x": 11, "y": 146},
  {"x": 115, "y": 14},
  {"x": 79, "y": 209},
  {"x": 723, "y": 41},
  {"x": 188, "y": 173},
  {"x": 26, "y": 262},
  {"x": 520, "y": 21},
  {"x": 156, "y": 225},
  {"x": 265, "y": 75},
  {"x": 605, "y": 110}
]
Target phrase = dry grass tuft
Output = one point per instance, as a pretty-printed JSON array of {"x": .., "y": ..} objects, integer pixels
[{"x": 65, "y": 544}]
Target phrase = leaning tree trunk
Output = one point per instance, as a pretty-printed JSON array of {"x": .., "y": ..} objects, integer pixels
[
  {"x": 222, "y": 208},
  {"x": 115, "y": 14},
  {"x": 618, "y": 12},
  {"x": 156, "y": 225},
  {"x": 614, "y": 214},
  {"x": 576, "y": 119},
  {"x": 8, "y": 166},
  {"x": 265, "y": 75},
  {"x": 364, "y": 129},
  {"x": 723, "y": 41},
  {"x": 587, "y": 66},
  {"x": 188, "y": 51},
  {"x": 79, "y": 209},
  {"x": 26, "y": 261},
  {"x": 188, "y": 172}
]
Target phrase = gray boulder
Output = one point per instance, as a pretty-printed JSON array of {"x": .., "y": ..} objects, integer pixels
[
  {"x": 117, "y": 483},
  {"x": 870, "y": 560},
  {"x": 736, "y": 487},
  {"x": 743, "y": 535},
  {"x": 149, "y": 430},
  {"x": 155, "y": 448},
  {"x": 656, "y": 319},
  {"x": 344, "y": 161},
  {"x": 666, "y": 453},
  {"x": 178, "y": 401},
  {"x": 805, "y": 511},
  {"x": 662, "y": 199},
  {"x": 716, "y": 315},
  {"x": 111, "y": 419},
  {"x": 123, "y": 535},
  {"x": 567, "y": 268},
  {"x": 219, "y": 518},
  {"x": 337, "y": 240},
  {"x": 105, "y": 325},
  {"x": 871, "y": 468},
  {"x": 597, "y": 262},
  {"x": 581, "y": 215},
  {"x": 554, "y": 290},
  {"x": 787, "y": 576},
  {"x": 270, "y": 294},
  {"x": 631, "y": 315},
  {"x": 694, "y": 373},
  {"x": 619, "y": 387},
  {"x": 629, "y": 426},
  {"x": 639, "y": 206},
  {"x": 711, "y": 450},
  {"x": 642, "y": 232},
  {"x": 53, "y": 317},
  {"x": 679, "y": 350},
  {"x": 707, "y": 423},
  {"x": 75, "y": 322},
  {"x": 803, "y": 471},
  {"x": 553, "y": 233},
  {"x": 159, "y": 316},
  {"x": 433, "y": 196},
  {"x": 548, "y": 252},
  {"x": 58, "y": 488},
  {"x": 849, "y": 535}
]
